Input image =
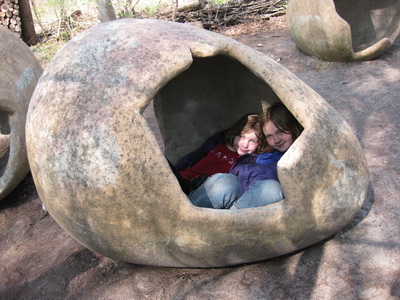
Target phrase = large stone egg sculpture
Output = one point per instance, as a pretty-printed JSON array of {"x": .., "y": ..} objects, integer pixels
[
  {"x": 343, "y": 30},
  {"x": 19, "y": 73},
  {"x": 103, "y": 176}
]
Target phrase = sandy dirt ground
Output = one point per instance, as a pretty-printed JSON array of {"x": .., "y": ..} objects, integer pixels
[{"x": 39, "y": 260}]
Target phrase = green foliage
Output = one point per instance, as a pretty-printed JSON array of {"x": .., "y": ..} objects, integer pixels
[
  {"x": 125, "y": 15},
  {"x": 45, "y": 52},
  {"x": 324, "y": 66},
  {"x": 151, "y": 9},
  {"x": 64, "y": 37},
  {"x": 218, "y": 2}
]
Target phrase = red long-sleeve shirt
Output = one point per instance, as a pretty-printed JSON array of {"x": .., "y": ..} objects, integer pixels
[{"x": 220, "y": 159}]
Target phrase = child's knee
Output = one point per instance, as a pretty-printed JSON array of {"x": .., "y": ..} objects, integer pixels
[
  {"x": 274, "y": 190},
  {"x": 223, "y": 181}
]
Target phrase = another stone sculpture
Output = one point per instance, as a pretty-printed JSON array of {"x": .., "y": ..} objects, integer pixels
[
  {"x": 342, "y": 30},
  {"x": 20, "y": 71},
  {"x": 104, "y": 178}
]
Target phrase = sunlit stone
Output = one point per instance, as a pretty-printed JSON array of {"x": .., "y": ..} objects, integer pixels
[
  {"x": 20, "y": 71},
  {"x": 104, "y": 178}
]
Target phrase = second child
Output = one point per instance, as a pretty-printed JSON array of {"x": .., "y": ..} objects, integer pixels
[{"x": 253, "y": 181}]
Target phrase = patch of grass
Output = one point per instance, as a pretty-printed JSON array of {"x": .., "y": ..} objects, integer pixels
[
  {"x": 151, "y": 10},
  {"x": 218, "y": 2},
  {"x": 324, "y": 66},
  {"x": 45, "y": 51}
]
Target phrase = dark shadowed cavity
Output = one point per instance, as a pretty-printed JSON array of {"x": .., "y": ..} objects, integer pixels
[{"x": 208, "y": 97}]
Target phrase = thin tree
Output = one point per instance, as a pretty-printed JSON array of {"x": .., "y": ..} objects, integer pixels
[
  {"x": 106, "y": 10},
  {"x": 28, "y": 33},
  {"x": 174, "y": 10}
]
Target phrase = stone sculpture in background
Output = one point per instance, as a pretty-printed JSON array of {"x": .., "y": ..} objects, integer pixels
[
  {"x": 342, "y": 30},
  {"x": 102, "y": 175},
  {"x": 20, "y": 70}
]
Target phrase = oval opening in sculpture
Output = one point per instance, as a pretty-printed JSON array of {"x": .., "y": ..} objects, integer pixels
[
  {"x": 340, "y": 30},
  {"x": 370, "y": 21},
  {"x": 99, "y": 169},
  {"x": 207, "y": 97}
]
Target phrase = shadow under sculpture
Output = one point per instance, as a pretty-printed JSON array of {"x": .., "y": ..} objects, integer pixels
[
  {"x": 20, "y": 71},
  {"x": 103, "y": 177},
  {"x": 342, "y": 30}
]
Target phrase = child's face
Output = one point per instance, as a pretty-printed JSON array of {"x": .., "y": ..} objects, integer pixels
[
  {"x": 247, "y": 143},
  {"x": 277, "y": 139}
]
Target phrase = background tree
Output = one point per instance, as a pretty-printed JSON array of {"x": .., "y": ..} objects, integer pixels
[
  {"x": 106, "y": 10},
  {"x": 28, "y": 33}
]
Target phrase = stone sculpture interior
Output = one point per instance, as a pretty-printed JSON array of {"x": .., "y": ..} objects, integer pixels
[
  {"x": 206, "y": 98},
  {"x": 369, "y": 21}
]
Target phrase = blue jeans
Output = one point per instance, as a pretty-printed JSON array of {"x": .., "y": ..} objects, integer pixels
[
  {"x": 218, "y": 191},
  {"x": 223, "y": 191}
]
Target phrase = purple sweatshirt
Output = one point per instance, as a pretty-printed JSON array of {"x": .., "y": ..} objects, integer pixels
[{"x": 252, "y": 167}]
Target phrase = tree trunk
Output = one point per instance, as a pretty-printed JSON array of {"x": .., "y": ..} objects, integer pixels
[
  {"x": 28, "y": 33},
  {"x": 175, "y": 10},
  {"x": 106, "y": 10}
]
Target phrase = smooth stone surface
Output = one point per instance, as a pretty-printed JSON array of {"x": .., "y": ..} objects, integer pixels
[
  {"x": 103, "y": 177},
  {"x": 20, "y": 71},
  {"x": 341, "y": 30}
]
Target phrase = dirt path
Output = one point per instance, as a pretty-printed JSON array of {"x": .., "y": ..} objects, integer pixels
[{"x": 41, "y": 261}]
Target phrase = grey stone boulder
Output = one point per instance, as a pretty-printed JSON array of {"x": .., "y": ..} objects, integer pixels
[
  {"x": 20, "y": 71},
  {"x": 342, "y": 30},
  {"x": 103, "y": 176}
]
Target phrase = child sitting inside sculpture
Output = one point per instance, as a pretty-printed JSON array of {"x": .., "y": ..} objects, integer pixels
[
  {"x": 219, "y": 153},
  {"x": 253, "y": 180}
]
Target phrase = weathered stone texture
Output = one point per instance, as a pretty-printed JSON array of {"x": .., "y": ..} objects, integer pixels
[
  {"x": 20, "y": 72},
  {"x": 104, "y": 178}
]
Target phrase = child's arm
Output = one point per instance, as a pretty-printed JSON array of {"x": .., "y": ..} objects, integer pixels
[
  {"x": 193, "y": 157},
  {"x": 248, "y": 174}
]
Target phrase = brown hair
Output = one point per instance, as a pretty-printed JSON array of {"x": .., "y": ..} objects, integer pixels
[
  {"x": 245, "y": 124},
  {"x": 283, "y": 120}
]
